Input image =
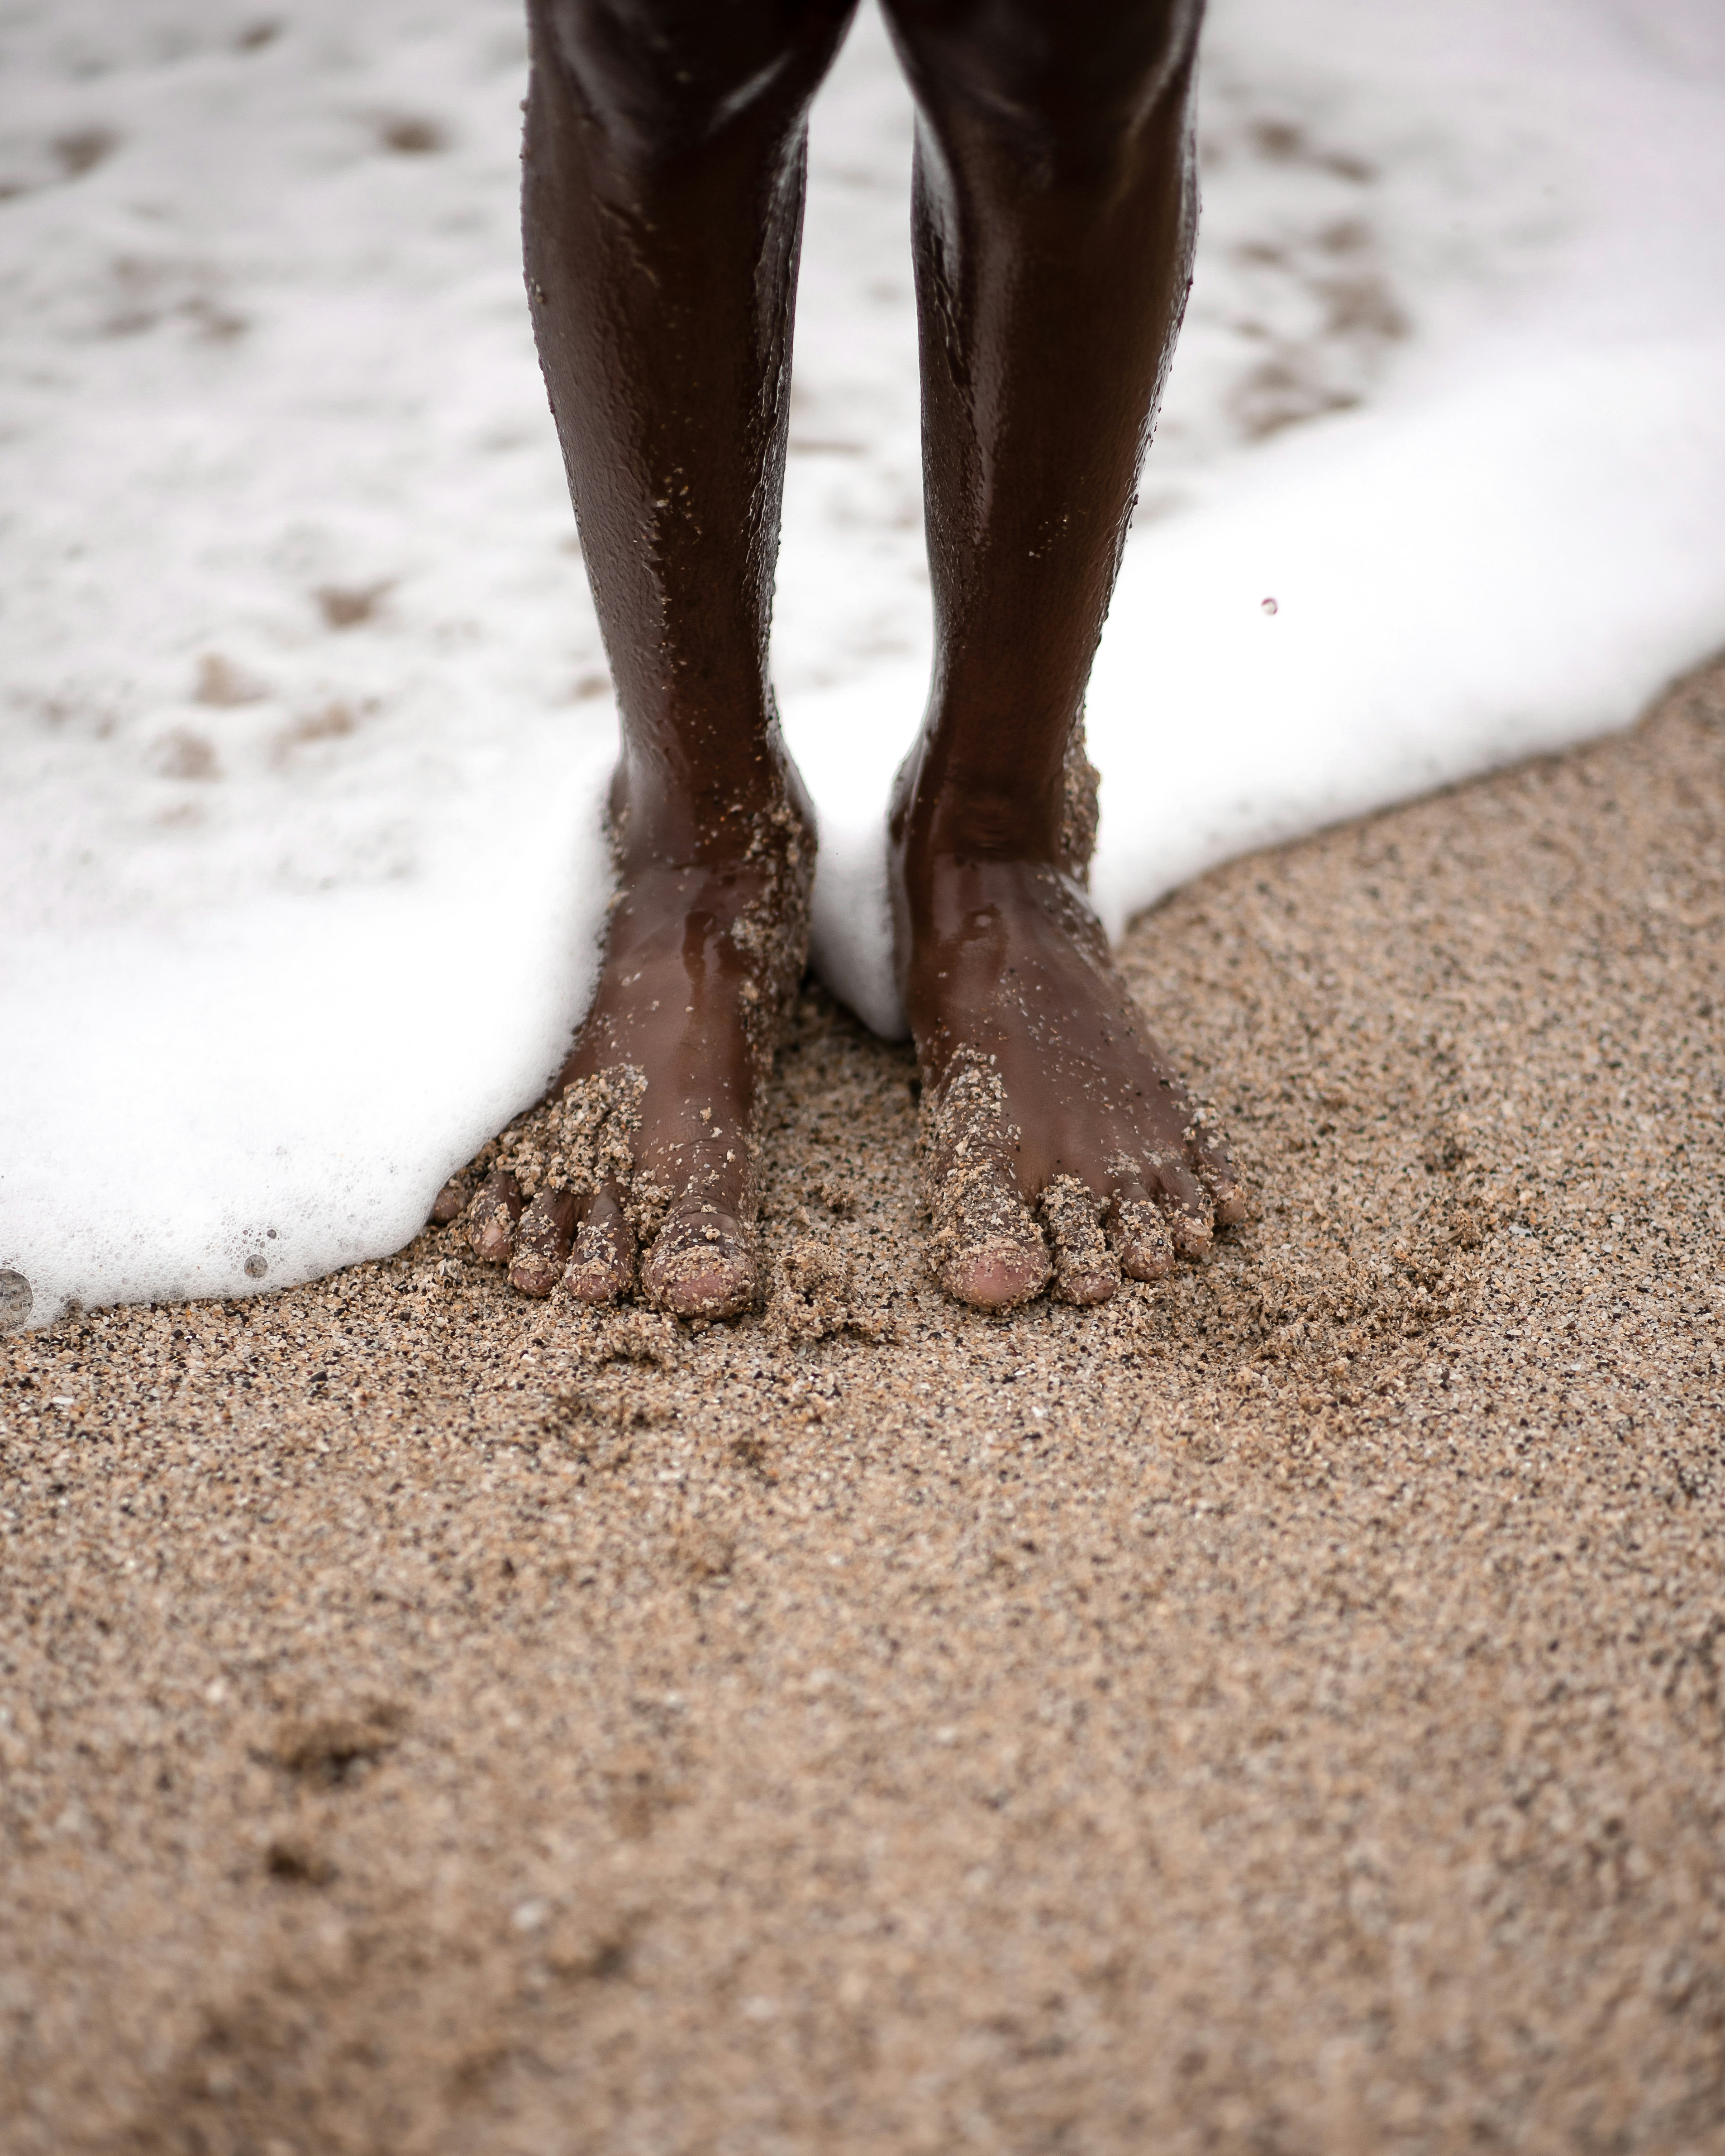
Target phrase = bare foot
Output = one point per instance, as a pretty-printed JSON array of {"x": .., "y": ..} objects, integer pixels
[
  {"x": 1057, "y": 1139},
  {"x": 647, "y": 1140}
]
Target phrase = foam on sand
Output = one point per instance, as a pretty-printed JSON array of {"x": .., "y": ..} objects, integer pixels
[{"x": 305, "y": 725}]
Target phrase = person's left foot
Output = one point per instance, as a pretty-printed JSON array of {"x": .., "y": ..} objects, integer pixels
[{"x": 1057, "y": 1139}]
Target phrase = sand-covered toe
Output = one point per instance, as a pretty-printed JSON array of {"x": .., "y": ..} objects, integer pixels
[
  {"x": 702, "y": 1264},
  {"x": 1086, "y": 1269},
  {"x": 1138, "y": 1230},
  {"x": 986, "y": 1249},
  {"x": 1208, "y": 1155},
  {"x": 602, "y": 1266},
  {"x": 493, "y": 1215},
  {"x": 543, "y": 1240}
]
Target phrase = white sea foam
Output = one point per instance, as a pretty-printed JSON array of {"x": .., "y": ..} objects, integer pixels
[{"x": 300, "y": 909}]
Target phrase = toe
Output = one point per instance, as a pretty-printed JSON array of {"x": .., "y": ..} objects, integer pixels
[
  {"x": 1229, "y": 1199},
  {"x": 1139, "y": 1229},
  {"x": 1191, "y": 1233},
  {"x": 1207, "y": 1151},
  {"x": 541, "y": 1242},
  {"x": 989, "y": 1251},
  {"x": 603, "y": 1267},
  {"x": 492, "y": 1216},
  {"x": 997, "y": 1273},
  {"x": 1185, "y": 1206},
  {"x": 450, "y": 1202},
  {"x": 1086, "y": 1269},
  {"x": 702, "y": 1265}
]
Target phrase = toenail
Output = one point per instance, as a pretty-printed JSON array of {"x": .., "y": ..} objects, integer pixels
[{"x": 16, "y": 1299}]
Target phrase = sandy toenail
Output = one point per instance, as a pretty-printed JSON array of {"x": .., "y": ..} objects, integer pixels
[
  {"x": 603, "y": 1266},
  {"x": 492, "y": 1216},
  {"x": 541, "y": 1242}
]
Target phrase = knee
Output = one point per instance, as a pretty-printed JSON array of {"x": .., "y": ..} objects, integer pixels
[
  {"x": 663, "y": 77},
  {"x": 1071, "y": 84}
]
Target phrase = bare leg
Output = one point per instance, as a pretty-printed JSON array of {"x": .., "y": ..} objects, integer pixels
[
  {"x": 1055, "y": 207},
  {"x": 662, "y": 208}
]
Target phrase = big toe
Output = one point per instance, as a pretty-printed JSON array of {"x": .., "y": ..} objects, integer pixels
[
  {"x": 702, "y": 1265},
  {"x": 987, "y": 1250},
  {"x": 997, "y": 1273}
]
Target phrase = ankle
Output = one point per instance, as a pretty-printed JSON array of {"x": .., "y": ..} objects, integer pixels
[
  {"x": 943, "y": 813},
  {"x": 977, "y": 833},
  {"x": 659, "y": 819}
]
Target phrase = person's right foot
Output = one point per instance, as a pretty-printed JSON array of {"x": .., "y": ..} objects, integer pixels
[{"x": 647, "y": 1142}]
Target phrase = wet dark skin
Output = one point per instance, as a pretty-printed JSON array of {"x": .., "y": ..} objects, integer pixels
[{"x": 1052, "y": 223}]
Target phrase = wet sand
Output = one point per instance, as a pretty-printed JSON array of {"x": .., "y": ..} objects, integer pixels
[{"x": 1281, "y": 1711}]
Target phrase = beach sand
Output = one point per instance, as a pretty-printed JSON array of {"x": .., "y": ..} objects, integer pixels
[{"x": 1281, "y": 1712}]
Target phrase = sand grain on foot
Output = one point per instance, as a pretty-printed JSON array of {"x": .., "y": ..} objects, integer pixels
[{"x": 1278, "y": 1710}]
